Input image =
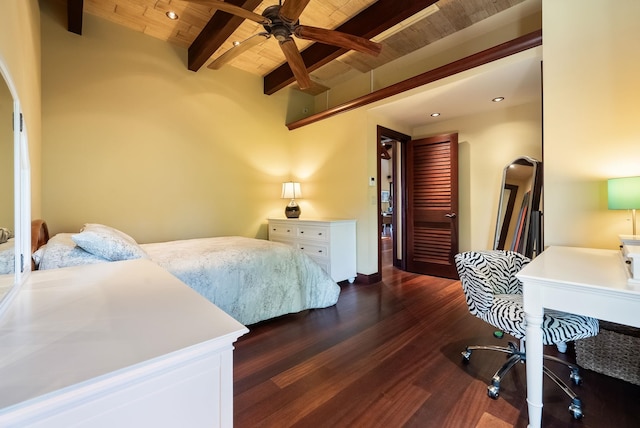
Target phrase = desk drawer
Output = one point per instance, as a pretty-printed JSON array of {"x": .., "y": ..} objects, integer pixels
[{"x": 317, "y": 233}]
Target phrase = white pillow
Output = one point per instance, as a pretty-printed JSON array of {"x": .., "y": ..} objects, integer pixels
[
  {"x": 61, "y": 251},
  {"x": 108, "y": 243},
  {"x": 5, "y": 234}
]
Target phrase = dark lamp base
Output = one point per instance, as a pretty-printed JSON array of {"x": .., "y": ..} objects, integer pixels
[{"x": 292, "y": 211}]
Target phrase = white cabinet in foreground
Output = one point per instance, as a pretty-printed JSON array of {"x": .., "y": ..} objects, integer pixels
[
  {"x": 331, "y": 243},
  {"x": 121, "y": 344}
]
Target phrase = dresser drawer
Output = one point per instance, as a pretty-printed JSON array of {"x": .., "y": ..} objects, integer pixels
[
  {"x": 313, "y": 249},
  {"x": 317, "y": 233},
  {"x": 331, "y": 243},
  {"x": 282, "y": 231}
]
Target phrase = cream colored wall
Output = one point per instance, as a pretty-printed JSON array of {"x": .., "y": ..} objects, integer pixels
[
  {"x": 135, "y": 140},
  {"x": 329, "y": 157},
  {"x": 20, "y": 52},
  {"x": 6, "y": 156},
  {"x": 487, "y": 143},
  {"x": 334, "y": 159},
  {"x": 591, "y": 89}
]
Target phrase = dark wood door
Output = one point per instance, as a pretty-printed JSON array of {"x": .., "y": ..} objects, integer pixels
[{"x": 432, "y": 205}]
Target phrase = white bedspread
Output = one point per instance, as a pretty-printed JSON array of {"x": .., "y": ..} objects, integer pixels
[
  {"x": 250, "y": 279},
  {"x": 7, "y": 258}
]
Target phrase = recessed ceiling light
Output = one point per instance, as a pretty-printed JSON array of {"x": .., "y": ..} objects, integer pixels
[
  {"x": 172, "y": 15},
  {"x": 497, "y": 99},
  {"x": 435, "y": 114}
]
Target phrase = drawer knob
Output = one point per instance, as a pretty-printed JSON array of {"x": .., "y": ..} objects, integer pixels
[
  {"x": 319, "y": 251},
  {"x": 320, "y": 234},
  {"x": 288, "y": 230},
  {"x": 302, "y": 231},
  {"x": 302, "y": 248}
]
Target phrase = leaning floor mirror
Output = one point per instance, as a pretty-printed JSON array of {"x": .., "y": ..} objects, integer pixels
[{"x": 519, "y": 224}]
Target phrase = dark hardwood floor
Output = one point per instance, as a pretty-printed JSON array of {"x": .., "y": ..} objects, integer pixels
[{"x": 388, "y": 355}]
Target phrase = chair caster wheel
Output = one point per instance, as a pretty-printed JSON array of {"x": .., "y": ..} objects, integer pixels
[
  {"x": 575, "y": 408},
  {"x": 466, "y": 355},
  {"x": 493, "y": 391},
  {"x": 576, "y": 377}
]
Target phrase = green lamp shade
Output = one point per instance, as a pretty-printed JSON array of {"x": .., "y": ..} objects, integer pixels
[{"x": 624, "y": 193}]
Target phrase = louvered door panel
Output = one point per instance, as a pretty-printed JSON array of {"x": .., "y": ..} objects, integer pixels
[{"x": 432, "y": 205}]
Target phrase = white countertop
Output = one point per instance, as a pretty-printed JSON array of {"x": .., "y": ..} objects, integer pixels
[
  {"x": 587, "y": 267},
  {"x": 69, "y": 325}
]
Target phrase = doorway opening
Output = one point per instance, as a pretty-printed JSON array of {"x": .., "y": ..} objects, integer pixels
[{"x": 391, "y": 197}]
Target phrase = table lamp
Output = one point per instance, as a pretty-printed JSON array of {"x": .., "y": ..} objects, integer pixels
[
  {"x": 291, "y": 190},
  {"x": 624, "y": 194}
]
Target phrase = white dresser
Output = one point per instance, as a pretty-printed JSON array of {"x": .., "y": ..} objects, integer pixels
[
  {"x": 330, "y": 242},
  {"x": 120, "y": 344}
]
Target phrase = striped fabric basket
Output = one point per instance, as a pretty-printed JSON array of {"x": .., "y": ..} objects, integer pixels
[{"x": 615, "y": 352}]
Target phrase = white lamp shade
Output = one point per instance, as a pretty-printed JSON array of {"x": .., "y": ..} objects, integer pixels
[
  {"x": 624, "y": 193},
  {"x": 291, "y": 190}
]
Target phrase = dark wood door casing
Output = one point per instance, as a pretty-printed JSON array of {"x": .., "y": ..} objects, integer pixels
[
  {"x": 399, "y": 195},
  {"x": 432, "y": 205}
]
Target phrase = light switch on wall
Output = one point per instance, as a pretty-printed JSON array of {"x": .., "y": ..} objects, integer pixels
[{"x": 372, "y": 181}]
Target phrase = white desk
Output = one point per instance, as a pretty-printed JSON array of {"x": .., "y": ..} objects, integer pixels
[
  {"x": 577, "y": 280},
  {"x": 120, "y": 344}
]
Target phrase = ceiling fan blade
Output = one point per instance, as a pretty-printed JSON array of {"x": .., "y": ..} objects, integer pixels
[
  {"x": 337, "y": 38},
  {"x": 238, "y": 49},
  {"x": 292, "y": 54},
  {"x": 292, "y": 9},
  {"x": 233, "y": 9}
]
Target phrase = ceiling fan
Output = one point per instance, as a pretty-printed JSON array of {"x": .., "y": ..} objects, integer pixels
[{"x": 281, "y": 22}]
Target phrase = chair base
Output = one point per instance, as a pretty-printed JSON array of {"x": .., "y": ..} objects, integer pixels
[{"x": 515, "y": 356}]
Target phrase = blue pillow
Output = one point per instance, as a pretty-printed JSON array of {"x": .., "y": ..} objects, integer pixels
[{"x": 108, "y": 243}]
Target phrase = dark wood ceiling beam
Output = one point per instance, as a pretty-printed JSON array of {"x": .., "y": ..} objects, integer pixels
[
  {"x": 215, "y": 33},
  {"x": 74, "y": 16},
  {"x": 372, "y": 21},
  {"x": 486, "y": 56}
]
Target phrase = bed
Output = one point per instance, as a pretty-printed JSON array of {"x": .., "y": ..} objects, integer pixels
[
  {"x": 7, "y": 258},
  {"x": 39, "y": 236},
  {"x": 250, "y": 279},
  {"x": 7, "y": 251}
]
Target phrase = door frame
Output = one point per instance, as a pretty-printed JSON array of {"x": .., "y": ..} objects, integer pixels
[{"x": 399, "y": 194}]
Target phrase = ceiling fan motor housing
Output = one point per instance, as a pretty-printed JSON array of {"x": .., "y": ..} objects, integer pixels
[
  {"x": 278, "y": 27},
  {"x": 281, "y": 21}
]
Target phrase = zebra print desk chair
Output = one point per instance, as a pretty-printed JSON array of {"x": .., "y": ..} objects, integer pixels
[{"x": 494, "y": 294}]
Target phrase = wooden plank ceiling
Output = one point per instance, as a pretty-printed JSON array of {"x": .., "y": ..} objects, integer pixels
[{"x": 401, "y": 26}]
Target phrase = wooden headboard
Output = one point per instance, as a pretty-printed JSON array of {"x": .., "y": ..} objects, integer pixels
[{"x": 39, "y": 236}]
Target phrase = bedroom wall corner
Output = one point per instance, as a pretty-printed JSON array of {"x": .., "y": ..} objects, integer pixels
[
  {"x": 137, "y": 141},
  {"x": 332, "y": 159}
]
